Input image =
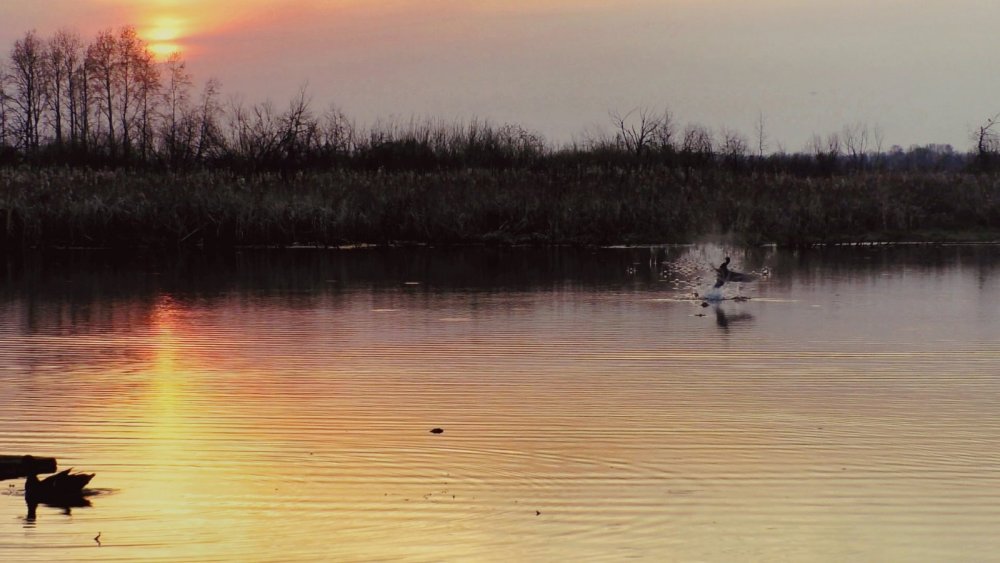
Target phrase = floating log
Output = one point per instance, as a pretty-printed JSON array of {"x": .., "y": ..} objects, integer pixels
[{"x": 18, "y": 466}]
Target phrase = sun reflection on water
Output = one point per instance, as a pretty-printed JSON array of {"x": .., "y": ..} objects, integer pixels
[
  {"x": 163, "y": 415},
  {"x": 578, "y": 424}
]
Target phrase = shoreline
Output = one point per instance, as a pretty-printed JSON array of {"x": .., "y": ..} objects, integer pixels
[
  {"x": 874, "y": 243},
  {"x": 70, "y": 208}
]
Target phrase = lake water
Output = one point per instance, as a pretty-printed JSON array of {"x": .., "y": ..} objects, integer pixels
[{"x": 278, "y": 405}]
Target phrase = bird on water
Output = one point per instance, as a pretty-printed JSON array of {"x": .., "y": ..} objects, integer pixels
[
  {"x": 56, "y": 488},
  {"x": 724, "y": 274}
]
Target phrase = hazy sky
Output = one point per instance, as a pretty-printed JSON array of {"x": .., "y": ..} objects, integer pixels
[{"x": 923, "y": 70}]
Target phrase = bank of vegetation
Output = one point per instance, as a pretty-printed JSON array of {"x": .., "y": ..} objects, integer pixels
[{"x": 101, "y": 145}]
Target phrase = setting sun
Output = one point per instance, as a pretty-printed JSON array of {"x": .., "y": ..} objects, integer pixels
[
  {"x": 164, "y": 34},
  {"x": 164, "y": 50}
]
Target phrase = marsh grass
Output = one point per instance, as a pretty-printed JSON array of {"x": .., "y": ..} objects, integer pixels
[{"x": 61, "y": 207}]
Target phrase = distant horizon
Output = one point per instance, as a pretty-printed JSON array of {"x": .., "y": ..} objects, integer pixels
[{"x": 922, "y": 76}]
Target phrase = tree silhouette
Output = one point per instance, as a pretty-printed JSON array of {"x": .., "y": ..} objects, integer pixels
[
  {"x": 28, "y": 82},
  {"x": 101, "y": 64}
]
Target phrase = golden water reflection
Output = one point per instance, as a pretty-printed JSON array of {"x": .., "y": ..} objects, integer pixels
[{"x": 581, "y": 422}]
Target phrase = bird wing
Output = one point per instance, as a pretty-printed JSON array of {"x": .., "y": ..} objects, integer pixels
[{"x": 57, "y": 476}]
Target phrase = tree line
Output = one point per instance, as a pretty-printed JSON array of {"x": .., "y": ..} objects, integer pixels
[
  {"x": 104, "y": 102},
  {"x": 109, "y": 103}
]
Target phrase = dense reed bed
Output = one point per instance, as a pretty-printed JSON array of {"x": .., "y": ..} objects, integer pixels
[{"x": 124, "y": 209}]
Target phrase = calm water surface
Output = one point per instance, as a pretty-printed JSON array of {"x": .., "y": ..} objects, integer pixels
[{"x": 277, "y": 405}]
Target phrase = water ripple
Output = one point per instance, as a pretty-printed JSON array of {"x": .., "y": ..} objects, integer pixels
[{"x": 581, "y": 422}]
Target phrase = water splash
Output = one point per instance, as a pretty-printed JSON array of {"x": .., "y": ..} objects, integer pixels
[{"x": 713, "y": 295}]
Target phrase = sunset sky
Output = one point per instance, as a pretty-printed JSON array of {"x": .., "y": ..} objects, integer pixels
[{"x": 925, "y": 71}]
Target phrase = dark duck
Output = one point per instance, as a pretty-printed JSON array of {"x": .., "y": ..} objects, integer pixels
[
  {"x": 724, "y": 274},
  {"x": 59, "y": 489}
]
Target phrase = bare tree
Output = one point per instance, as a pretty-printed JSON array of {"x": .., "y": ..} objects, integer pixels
[
  {"x": 878, "y": 137},
  {"x": 128, "y": 78},
  {"x": 697, "y": 141},
  {"x": 300, "y": 131},
  {"x": 521, "y": 142},
  {"x": 987, "y": 138},
  {"x": 209, "y": 111},
  {"x": 856, "y": 143},
  {"x": 829, "y": 147},
  {"x": 28, "y": 85},
  {"x": 119, "y": 79},
  {"x": 833, "y": 145},
  {"x": 64, "y": 53},
  {"x": 826, "y": 152},
  {"x": 177, "y": 99},
  {"x": 338, "y": 132},
  {"x": 148, "y": 82},
  {"x": 696, "y": 148},
  {"x": 734, "y": 147},
  {"x": 83, "y": 101},
  {"x": 664, "y": 136},
  {"x": 255, "y": 132},
  {"x": 760, "y": 134},
  {"x": 635, "y": 130},
  {"x": 815, "y": 145},
  {"x": 5, "y": 100},
  {"x": 55, "y": 78},
  {"x": 102, "y": 70}
]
